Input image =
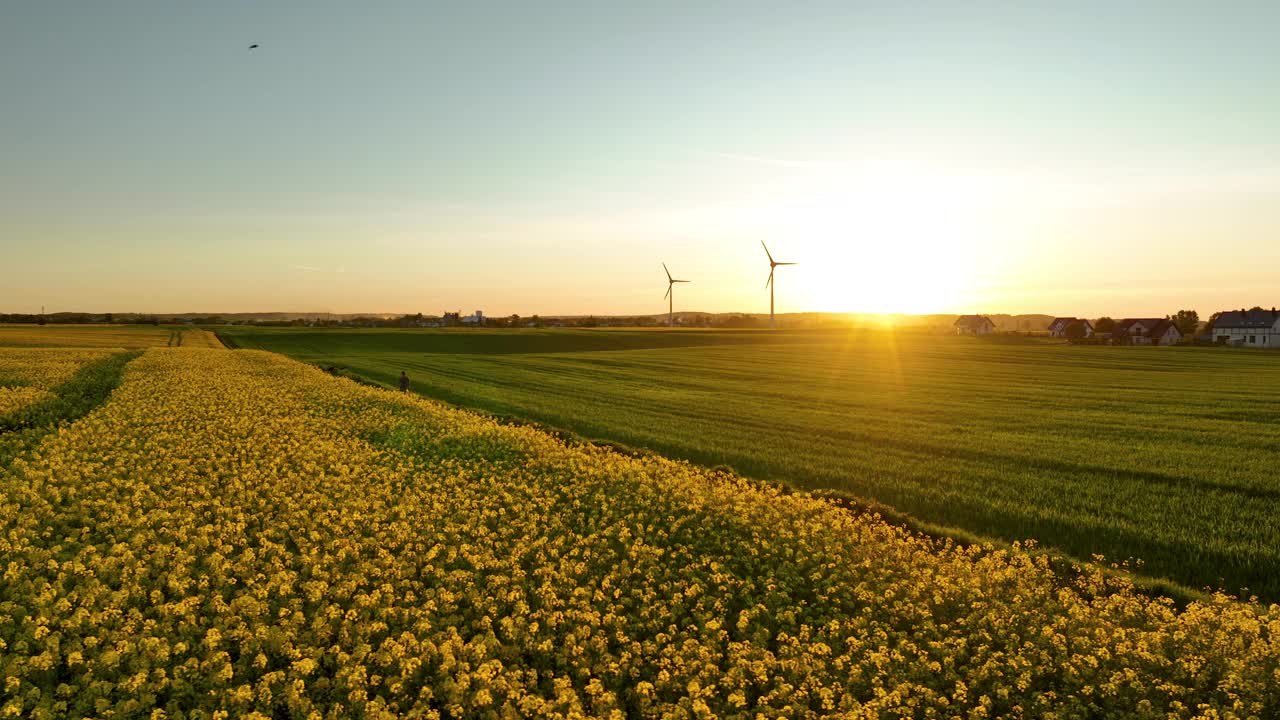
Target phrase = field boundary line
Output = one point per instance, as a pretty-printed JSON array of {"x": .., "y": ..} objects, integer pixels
[
  {"x": 227, "y": 341},
  {"x": 1064, "y": 564}
]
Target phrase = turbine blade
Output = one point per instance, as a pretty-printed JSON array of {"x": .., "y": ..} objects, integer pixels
[
  {"x": 665, "y": 270},
  {"x": 664, "y": 297},
  {"x": 766, "y": 282},
  {"x": 786, "y": 263},
  {"x": 681, "y": 281},
  {"x": 766, "y": 251}
]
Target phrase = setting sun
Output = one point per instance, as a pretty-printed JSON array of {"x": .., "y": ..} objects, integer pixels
[{"x": 885, "y": 239}]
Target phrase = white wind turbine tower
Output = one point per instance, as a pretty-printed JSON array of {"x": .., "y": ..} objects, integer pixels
[
  {"x": 770, "y": 283},
  {"x": 670, "y": 297}
]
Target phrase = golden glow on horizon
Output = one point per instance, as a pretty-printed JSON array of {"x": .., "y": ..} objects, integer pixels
[{"x": 896, "y": 240}]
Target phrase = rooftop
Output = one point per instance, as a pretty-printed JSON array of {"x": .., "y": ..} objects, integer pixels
[{"x": 1250, "y": 319}]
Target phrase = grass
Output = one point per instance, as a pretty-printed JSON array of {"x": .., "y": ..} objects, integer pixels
[
  {"x": 134, "y": 337},
  {"x": 1163, "y": 455}
]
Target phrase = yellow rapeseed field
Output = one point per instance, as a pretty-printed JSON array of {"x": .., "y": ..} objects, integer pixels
[
  {"x": 105, "y": 336},
  {"x": 196, "y": 338},
  {"x": 46, "y": 368},
  {"x": 235, "y": 534},
  {"x": 27, "y": 374},
  {"x": 16, "y": 398}
]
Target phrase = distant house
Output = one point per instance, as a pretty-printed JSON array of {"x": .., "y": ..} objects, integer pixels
[
  {"x": 451, "y": 319},
  {"x": 1070, "y": 327},
  {"x": 476, "y": 318},
  {"x": 1165, "y": 333},
  {"x": 1079, "y": 328},
  {"x": 974, "y": 325},
  {"x": 1257, "y": 328},
  {"x": 1146, "y": 331}
]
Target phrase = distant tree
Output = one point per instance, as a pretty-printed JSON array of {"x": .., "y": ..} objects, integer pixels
[
  {"x": 1256, "y": 308},
  {"x": 1075, "y": 331},
  {"x": 1104, "y": 324},
  {"x": 1186, "y": 321},
  {"x": 108, "y": 318}
]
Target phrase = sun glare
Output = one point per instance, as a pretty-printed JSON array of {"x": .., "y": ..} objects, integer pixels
[{"x": 892, "y": 240}]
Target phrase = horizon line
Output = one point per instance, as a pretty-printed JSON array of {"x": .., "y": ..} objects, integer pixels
[{"x": 385, "y": 314}]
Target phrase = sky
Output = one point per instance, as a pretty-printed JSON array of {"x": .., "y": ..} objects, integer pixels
[{"x": 1069, "y": 158}]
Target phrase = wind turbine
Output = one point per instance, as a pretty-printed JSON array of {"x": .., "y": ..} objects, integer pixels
[
  {"x": 770, "y": 283},
  {"x": 670, "y": 297}
]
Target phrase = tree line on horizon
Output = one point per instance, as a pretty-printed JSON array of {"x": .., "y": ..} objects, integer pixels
[{"x": 1187, "y": 321}]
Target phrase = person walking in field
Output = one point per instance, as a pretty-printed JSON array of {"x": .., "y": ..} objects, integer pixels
[{"x": 404, "y": 382}]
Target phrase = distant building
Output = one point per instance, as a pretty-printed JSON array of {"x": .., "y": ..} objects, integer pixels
[
  {"x": 974, "y": 325},
  {"x": 1065, "y": 327},
  {"x": 1256, "y": 328},
  {"x": 451, "y": 319},
  {"x": 1165, "y": 333},
  {"x": 475, "y": 318},
  {"x": 1146, "y": 331}
]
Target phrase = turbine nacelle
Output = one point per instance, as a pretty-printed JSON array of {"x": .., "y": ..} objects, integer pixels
[
  {"x": 773, "y": 264},
  {"x": 670, "y": 280}
]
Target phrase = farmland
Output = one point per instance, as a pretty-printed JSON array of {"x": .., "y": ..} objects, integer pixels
[
  {"x": 28, "y": 376},
  {"x": 1165, "y": 455},
  {"x": 57, "y": 373},
  {"x": 104, "y": 336},
  {"x": 41, "y": 388},
  {"x": 235, "y": 534}
]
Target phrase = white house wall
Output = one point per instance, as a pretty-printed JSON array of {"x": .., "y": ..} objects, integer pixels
[{"x": 1264, "y": 337}]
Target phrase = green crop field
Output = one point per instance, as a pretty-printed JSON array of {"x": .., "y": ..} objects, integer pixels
[{"x": 1165, "y": 455}]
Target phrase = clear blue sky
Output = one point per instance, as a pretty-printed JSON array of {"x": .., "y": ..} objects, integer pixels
[{"x": 1080, "y": 158}]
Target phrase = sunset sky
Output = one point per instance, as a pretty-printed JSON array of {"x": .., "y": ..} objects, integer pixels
[{"x": 1078, "y": 158}]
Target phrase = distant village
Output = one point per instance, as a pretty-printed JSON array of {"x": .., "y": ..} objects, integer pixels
[{"x": 1255, "y": 327}]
